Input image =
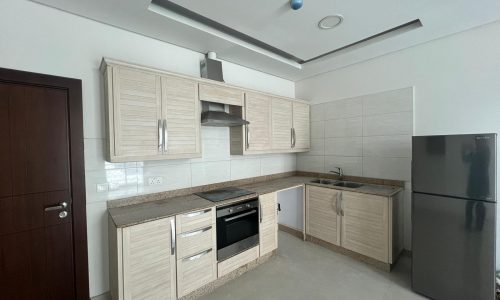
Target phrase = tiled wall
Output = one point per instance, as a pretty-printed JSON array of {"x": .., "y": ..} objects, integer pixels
[
  {"x": 367, "y": 136},
  {"x": 216, "y": 165}
]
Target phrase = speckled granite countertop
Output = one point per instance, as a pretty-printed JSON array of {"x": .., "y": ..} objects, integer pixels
[{"x": 139, "y": 213}]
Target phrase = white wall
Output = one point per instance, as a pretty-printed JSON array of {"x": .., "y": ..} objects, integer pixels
[
  {"x": 456, "y": 80},
  {"x": 40, "y": 39}
]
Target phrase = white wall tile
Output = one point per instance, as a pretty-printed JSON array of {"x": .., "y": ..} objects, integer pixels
[
  {"x": 388, "y": 124},
  {"x": 271, "y": 164},
  {"x": 244, "y": 168},
  {"x": 344, "y": 108},
  {"x": 122, "y": 183},
  {"x": 210, "y": 172},
  {"x": 309, "y": 163},
  {"x": 387, "y": 146},
  {"x": 289, "y": 162},
  {"x": 94, "y": 153},
  {"x": 174, "y": 177},
  {"x": 318, "y": 112},
  {"x": 388, "y": 102},
  {"x": 387, "y": 168},
  {"x": 97, "y": 243},
  {"x": 214, "y": 150},
  {"x": 317, "y": 147},
  {"x": 351, "y": 165},
  {"x": 347, "y": 127},
  {"x": 210, "y": 132},
  {"x": 346, "y": 146},
  {"x": 317, "y": 130}
]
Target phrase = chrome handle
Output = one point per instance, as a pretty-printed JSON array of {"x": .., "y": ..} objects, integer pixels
[
  {"x": 240, "y": 216},
  {"x": 337, "y": 200},
  {"x": 247, "y": 139},
  {"x": 291, "y": 137},
  {"x": 341, "y": 205},
  {"x": 196, "y": 256},
  {"x": 60, "y": 206},
  {"x": 195, "y": 214},
  {"x": 294, "y": 137},
  {"x": 63, "y": 214},
  {"x": 193, "y": 233},
  {"x": 261, "y": 213},
  {"x": 160, "y": 136},
  {"x": 165, "y": 135},
  {"x": 172, "y": 236}
]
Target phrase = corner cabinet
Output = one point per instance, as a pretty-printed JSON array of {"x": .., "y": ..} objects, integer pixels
[
  {"x": 322, "y": 217},
  {"x": 268, "y": 223},
  {"x": 149, "y": 115}
]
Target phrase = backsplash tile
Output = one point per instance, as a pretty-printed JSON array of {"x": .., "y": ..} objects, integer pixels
[
  {"x": 387, "y": 146},
  {"x": 351, "y": 165},
  {"x": 344, "y": 127},
  {"x": 344, "y": 108},
  {"x": 210, "y": 172},
  {"x": 345, "y": 146},
  {"x": 244, "y": 168},
  {"x": 397, "y": 123}
]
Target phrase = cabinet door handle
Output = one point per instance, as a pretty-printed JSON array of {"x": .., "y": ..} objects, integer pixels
[
  {"x": 196, "y": 256},
  {"x": 291, "y": 137},
  {"x": 197, "y": 213},
  {"x": 294, "y": 138},
  {"x": 337, "y": 200},
  {"x": 247, "y": 137},
  {"x": 160, "y": 136},
  {"x": 165, "y": 135},
  {"x": 341, "y": 205},
  {"x": 172, "y": 237},
  {"x": 193, "y": 233},
  {"x": 261, "y": 213}
]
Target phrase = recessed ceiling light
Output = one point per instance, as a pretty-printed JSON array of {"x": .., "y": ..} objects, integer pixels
[{"x": 330, "y": 22}]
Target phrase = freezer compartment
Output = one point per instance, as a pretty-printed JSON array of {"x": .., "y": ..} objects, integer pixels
[{"x": 453, "y": 248}]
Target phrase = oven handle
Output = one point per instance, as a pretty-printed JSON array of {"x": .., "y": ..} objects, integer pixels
[{"x": 240, "y": 216}]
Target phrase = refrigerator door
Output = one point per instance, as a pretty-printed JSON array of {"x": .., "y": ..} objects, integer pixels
[
  {"x": 453, "y": 248},
  {"x": 461, "y": 166}
]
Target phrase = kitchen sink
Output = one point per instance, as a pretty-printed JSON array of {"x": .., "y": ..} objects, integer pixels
[
  {"x": 322, "y": 181},
  {"x": 348, "y": 184}
]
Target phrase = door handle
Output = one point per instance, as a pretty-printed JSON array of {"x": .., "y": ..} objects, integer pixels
[
  {"x": 247, "y": 137},
  {"x": 196, "y": 256},
  {"x": 160, "y": 136},
  {"x": 291, "y": 137},
  {"x": 172, "y": 237},
  {"x": 59, "y": 206},
  {"x": 337, "y": 201},
  {"x": 294, "y": 137},
  {"x": 261, "y": 212},
  {"x": 165, "y": 135},
  {"x": 198, "y": 213},
  {"x": 341, "y": 205},
  {"x": 193, "y": 233}
]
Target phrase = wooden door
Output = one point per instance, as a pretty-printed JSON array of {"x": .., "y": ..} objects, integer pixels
[
  {"x": 281, "y": 124},
  {"x": 181, "y": 111},
  {"x": 301, "y": 124},
  {"x": 258, "y": 113},
  {"x": 365, "y": 225},
  {"x": 149, "y": 265},
  {"x": 322, "y": 220},
  {"x": 268, "y": 228},
  {"x": 136, "y": 113},
  {"x": 37, "y": 258}
]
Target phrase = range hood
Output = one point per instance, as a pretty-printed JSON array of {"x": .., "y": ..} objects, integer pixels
[{"x": 214, "y": 114}]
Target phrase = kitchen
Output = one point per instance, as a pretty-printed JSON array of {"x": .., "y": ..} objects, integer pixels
[{"x": 431, "y": 87}]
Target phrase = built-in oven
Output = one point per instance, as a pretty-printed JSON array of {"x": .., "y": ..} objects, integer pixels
[{"x": 237, "y": 228}]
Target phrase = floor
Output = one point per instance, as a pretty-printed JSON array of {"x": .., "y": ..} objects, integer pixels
[{"x": 303, "y": 270}]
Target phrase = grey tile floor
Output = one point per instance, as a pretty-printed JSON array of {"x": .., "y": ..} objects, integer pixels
[{"x": 303, "y": 270}]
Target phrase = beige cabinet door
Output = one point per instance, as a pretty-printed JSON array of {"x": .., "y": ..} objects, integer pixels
[
  {"x": 149, "y": 266},
  {"x": 322, "y": 220},
  {"x": 134, "y": 113},
  {"x": 281, "y": 124},
  {"x": 181, "y": 111},
  {"x": 221, "y": 94},
  {"x": 365, "y": 225},
  {"x": 258, "y": 113},
  {"x": 301, "y": 124},
  {"x": 268, "y": 227}
]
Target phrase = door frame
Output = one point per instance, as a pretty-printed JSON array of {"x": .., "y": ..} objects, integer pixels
[{"x": 77, "y": 173}]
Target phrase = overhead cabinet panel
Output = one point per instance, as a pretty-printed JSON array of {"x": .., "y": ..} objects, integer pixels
[
  {"x": 258, "y": 113},
  {"x": 221, "y": 94},
  {"x": 301, "y": 126},
  {"x": 282, "y": 124}
]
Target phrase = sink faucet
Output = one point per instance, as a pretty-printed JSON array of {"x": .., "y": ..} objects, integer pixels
[{"x": 340, "y": 172}]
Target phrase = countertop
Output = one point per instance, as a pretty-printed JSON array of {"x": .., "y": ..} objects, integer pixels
[{"x": 139, "y": 213}]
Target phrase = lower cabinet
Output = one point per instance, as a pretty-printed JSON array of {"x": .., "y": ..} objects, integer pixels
[
  {"x": 322, "y": 216},
  {"x": 268, "y": 223}
]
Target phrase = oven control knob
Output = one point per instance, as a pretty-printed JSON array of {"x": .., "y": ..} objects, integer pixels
[
  {"x": 231, "y": 210},
  {"x": 248, "y": 205}
]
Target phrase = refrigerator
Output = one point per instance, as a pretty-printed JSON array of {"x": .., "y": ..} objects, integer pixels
[{"x": 454, "y": 216}]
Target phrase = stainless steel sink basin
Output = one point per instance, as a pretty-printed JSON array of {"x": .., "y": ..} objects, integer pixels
[
  {"x": 322, "y": 181},
  {"x": 348, "y": 184}
]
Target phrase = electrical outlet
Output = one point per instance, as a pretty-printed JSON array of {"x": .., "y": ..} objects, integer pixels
[
  {"x": 102, "y": 187},
  {"x": 155, "y": 180}
]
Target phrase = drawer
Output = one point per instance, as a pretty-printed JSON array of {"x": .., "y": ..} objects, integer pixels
[
  {"x": 192, "y": 242},
  {"x": 195, "y": 220},
  {"x": 195, "y": 271},
  {"x": 220, "y": 94},
  {"x": 233, "y": 263}
]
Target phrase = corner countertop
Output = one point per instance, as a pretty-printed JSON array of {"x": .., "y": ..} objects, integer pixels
[{"x": 148, "y": 211}]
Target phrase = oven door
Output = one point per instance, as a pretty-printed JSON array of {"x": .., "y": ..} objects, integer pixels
[{"x": 237, "y": 232}]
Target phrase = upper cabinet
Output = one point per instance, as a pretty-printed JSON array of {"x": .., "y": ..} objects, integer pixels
[
  {"x": 282, "y": 125},
  {"x": 258, "y": 132},
  {"x": 301, "y": 127},
  {"x": 221, "y": 94},
  {"x": 150, "y": 116}
]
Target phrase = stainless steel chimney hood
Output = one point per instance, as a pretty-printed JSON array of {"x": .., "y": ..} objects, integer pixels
[{"x": 214, "y": 114}]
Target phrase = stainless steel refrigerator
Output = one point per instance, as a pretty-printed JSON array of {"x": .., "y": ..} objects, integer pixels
[{"x": 454, "y": 216}]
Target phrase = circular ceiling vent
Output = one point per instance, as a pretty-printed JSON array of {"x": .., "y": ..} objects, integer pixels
[{"x": 330, "y": 22}]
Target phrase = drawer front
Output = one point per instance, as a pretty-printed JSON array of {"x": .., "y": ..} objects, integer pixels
[
  {"x": 195, "y": 271},
  {"x": 195, "y": 220},
  {"x": 190, "y": 243},
  {"x": 233, "y": 263},
  {"x": 220, "y": 94}
]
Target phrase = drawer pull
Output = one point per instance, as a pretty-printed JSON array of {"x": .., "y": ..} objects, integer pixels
[
  {"x": 196, "y": 256},
  {"x": 195, "y": 214},
  {"x": 192, "y": 233}
]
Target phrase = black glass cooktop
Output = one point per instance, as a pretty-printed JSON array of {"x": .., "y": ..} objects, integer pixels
[{"x": 224, "y": 194}]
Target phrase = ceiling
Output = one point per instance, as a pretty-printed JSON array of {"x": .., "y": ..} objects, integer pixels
[{"x": 270, "y": 37}]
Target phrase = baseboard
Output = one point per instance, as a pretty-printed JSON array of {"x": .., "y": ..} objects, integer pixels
[{"x": 295, "y": 232}]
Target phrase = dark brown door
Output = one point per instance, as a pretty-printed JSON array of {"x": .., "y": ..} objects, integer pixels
[{"x": 36, "y": 227}]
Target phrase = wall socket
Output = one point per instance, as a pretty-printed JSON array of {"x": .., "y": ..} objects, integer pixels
[
  {"x": 155, "y": 180},
  {"x": 102, "y": 187}
]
